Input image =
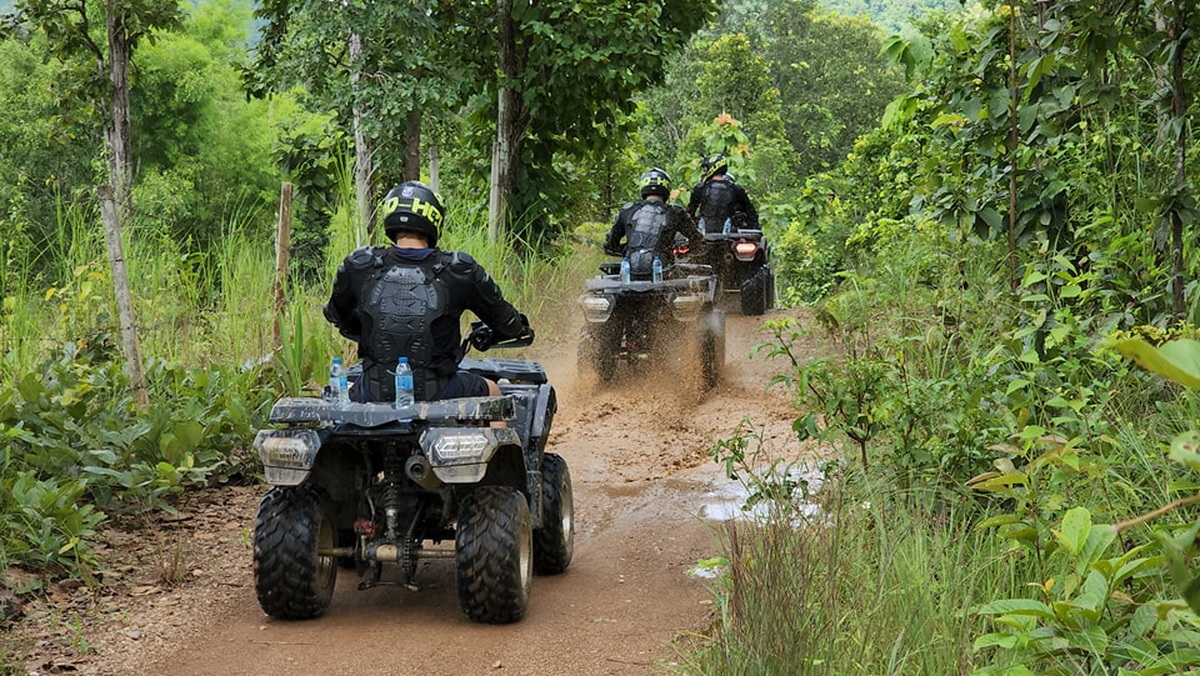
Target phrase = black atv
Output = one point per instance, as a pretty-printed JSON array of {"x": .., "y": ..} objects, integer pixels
[
  {"x": 364, "y": 485},
  {"x": 740, "y": 260},
  {"x": 634, "y": 319}
]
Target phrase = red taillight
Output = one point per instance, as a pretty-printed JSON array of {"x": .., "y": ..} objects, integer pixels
[
  {"x": 681, "y": 250},
  {"x": 745, "y": 250}
]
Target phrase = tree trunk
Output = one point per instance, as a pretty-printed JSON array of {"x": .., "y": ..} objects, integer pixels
[
  {"x": 120, "y": 53},
  {"x": 125, "y": 312},
  {"x": 363, "y": 149},
  {"x": 283, "y": 245},
  {"x": 511, "y": 120},
  {"x": 1180, "y": 35},
  {"x": 412, "y": 146},
  {"x": 116, "y": 201},
  {"x": 1013, "y": 139}
]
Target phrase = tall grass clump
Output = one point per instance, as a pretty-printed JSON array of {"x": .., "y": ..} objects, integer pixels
[{"x": 865, "y": 587}]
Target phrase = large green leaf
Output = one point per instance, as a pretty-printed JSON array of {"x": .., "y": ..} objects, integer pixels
[
  {"x": 1076, "y": 526},
  {"x": 1178, "y": 360},
  {"x": 1016, "y": 607}
]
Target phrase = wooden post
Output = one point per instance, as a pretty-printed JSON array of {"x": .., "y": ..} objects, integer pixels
[
  {"x": 283, "y": 246},
  {"x": 127, "y": 317},
  {"x": 434, "y": 169}
]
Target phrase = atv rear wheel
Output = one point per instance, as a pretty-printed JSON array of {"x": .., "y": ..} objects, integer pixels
[
  {"x": 712, "y": 349},
  {"x": 754, "y": 293},
  {"x": 293, "y": 580},
  {"x": 554, "y": 542},
  {"x": 494, "y": 555},
  {"x": 595, "y": 356}
]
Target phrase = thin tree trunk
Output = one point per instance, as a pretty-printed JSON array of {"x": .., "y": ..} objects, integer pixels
[
  {"x": 500, "y": 184},
  {"x": 1013, "y": 138},
  {"x": 120, "y": 53},
  {"x": 1179, "y": 34},
  {"x": 363, "y": 149},
  {"x": 412, "y": 146},
  {"x": 283, "y": 245},
  {"x": 116, "y": 201},
  {"x": 127, "y": 318}
]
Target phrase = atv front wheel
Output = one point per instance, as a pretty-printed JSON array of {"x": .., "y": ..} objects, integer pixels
[
  {"x": 494, "y": 555},
  {"x": 554, "y": 542},
  {"x": 293, "y": 580}
]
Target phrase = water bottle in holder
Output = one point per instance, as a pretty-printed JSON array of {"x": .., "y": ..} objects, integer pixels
[
  {"x": 404, "y": 383},
  {"x": 657, "y": 269},
  {"x": 339, "y": 383},
  {"x": 625, "y": 269},
  {"x": 728, "y": 226}
]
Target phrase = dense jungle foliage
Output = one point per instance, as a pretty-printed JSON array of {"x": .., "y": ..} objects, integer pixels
[{"x": 988, "y": 211}]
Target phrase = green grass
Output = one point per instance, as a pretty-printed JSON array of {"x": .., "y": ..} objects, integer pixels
[{"x": 871, "y": 586}]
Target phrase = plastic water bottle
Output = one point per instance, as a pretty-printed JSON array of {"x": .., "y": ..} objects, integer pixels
[
  {"x": 625, "y": 269},
  {"x": 339, "y": 383},
  {"x": 404, "y": 383},
  {"x": 728, "y": 226},
  {"x": 657, "y": 269}
]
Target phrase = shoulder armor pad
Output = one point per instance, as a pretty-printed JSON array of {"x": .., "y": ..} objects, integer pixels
[
  {"x": 626, "y": 205},
  {"x": 361, "y": 257},
  {"x": 462, "y": 263}
]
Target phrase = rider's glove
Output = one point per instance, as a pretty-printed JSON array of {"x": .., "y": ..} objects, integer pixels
[
  {"x": 482, "y": 338},
  {"x": 526, "y": 329}
]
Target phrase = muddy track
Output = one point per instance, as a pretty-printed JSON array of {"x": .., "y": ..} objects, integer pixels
[{"x": 637, "y": 452}]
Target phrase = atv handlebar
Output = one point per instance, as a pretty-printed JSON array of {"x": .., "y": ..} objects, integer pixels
[{"x": 483, "y": 339}]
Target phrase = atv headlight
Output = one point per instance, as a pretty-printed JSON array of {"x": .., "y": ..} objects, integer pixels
[
  {"x": 596, "y": 308},
  {"x": 287, "y": 455},
  {"x": 686, "y": 308}
]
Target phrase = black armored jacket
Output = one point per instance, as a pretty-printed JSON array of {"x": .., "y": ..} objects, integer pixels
[
  {"x": 714, "y": 201},
  {"x": 408, "y": 302},
  {"x": 652, "y": 225}
]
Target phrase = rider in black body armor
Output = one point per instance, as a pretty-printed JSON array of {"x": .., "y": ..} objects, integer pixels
[
  {"x": 407, "y": 299},
  {"x": 651, "y": 224},
  {"x": 718, "y": 198}
]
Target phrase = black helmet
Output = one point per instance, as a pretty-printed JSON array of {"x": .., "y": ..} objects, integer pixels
[
  {"x": 413, "y": 207},
  {"x": 656, "y": 182},
  {"x": 712, "y": 165}
]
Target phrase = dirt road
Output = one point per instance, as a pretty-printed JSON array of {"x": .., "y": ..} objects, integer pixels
[{"x": 638, "y": 457}]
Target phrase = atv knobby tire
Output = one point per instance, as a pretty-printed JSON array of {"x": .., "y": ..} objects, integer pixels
[
  {"x": 755, "y": 292},
  {"x": 494, "y": 554},
  {"x": 293, "y": 581},
  {"x": 595, "y": 355},
  {"x": 712, "y": 350},
  {"x": 554, "y": 542}
]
